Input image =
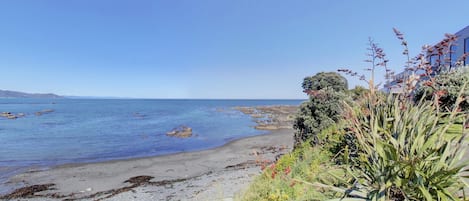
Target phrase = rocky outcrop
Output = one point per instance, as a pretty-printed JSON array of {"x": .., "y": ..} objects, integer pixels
[
  {"x": 44, "y": 112},
  {"x": 271, "y": 117},
  {"x": 246, "y": 110},
  {"x": 180, "y": 132},
  {"x": 8, "y": 115}
]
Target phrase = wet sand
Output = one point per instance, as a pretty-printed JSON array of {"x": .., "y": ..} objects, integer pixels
[{"x": 215, "y": 174}]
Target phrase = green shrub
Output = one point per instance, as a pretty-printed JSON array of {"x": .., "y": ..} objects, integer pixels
[
  {"x": 323, "y": 109},
  {"x": 293, "y": 177},
  {"x": 358, "y": 93},
  {"x": 447, "y": 86}
]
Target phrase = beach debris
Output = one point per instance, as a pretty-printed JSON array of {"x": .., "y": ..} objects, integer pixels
[
  {"x": 180, "y": 132},
  {"x": 243, "y": 165},
  {"x": 44, "y": 112},
  {"x": 86, "y": 190},
  {"x": 27, "y": 191},
  {"x": 139, "y": 180}
]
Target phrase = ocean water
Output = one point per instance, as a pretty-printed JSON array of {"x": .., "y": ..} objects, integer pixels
[{"x": 93, "y": 130}]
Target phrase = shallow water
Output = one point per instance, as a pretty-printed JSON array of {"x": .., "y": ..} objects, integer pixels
[{"x": 93, "y": 130}]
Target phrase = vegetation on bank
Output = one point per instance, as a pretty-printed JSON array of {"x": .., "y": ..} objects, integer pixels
[{"x": 363, "y": 144}]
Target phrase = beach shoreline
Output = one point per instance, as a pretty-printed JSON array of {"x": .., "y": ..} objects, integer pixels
[
  {"x": 213, "y": 174},
  {"x": 188, "y": 176}
]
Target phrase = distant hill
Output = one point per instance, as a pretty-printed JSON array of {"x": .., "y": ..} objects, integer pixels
[{"x": 16, "y": 94}]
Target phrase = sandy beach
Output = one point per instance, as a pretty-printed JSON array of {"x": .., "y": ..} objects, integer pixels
[
  {"x": 215, "y": 174},
  {"x": 212, "y": 174}
]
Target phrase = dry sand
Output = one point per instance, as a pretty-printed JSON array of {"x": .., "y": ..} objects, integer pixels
[{"x": 215, "y": 174}]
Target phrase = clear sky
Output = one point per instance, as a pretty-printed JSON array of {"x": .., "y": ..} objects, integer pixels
[{"x": 204, "y": 48}]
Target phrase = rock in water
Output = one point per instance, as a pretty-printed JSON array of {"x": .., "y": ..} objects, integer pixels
[
  {"x": 8, "y": 115},
  {"x": 180, "y": 132},
  {"x": 44, "y": 112}
]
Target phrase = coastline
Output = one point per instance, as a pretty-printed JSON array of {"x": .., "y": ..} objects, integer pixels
[
  {"x": 200, "y": 175},
  {"x": 213, "y": 174}
]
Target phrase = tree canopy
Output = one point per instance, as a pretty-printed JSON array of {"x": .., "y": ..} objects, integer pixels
[
  {"x": 326, "y": 91},
  {"x": 323, "y": 80}
]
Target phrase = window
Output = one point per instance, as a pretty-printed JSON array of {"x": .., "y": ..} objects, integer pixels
[
  {"x": 452, "y": 55},
  {"x": 435, "y": 60},
  {"x": 466, "y": 50}
]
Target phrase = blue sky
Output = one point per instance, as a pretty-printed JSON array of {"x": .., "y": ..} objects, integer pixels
[{"x": 204, "y": 48}]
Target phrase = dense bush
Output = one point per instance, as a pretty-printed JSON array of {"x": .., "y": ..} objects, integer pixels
[
  {"x": 447, "y": 86},
  {"x": 299, "y": 175},
  {"x": 322, "y": 110}
]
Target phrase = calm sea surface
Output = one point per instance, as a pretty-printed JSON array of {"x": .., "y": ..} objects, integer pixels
[{"x": 92, "y": 130}]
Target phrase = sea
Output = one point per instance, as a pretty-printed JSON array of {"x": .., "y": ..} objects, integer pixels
[{"x": 94, "y": 130}]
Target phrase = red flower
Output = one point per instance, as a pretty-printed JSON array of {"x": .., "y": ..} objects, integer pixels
[
  {"x": 273, "y": 174},
  {"x": 287, "y": 170}
]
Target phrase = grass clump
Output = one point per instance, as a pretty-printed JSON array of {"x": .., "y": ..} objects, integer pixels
[{"x": 291, "y": 177}]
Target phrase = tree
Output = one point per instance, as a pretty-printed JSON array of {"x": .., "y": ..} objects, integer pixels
[
  {"x": 327, "y": 92},
  {"x": 318, "y": 113},
  {"x": 323, "y": 80}
]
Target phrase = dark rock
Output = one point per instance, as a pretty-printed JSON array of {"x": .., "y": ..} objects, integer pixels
[
  {"x": 180, "y": 132},
  {"x": 12, "y": 117},
  {"x": 8, "y": 115},
  {"x": 139, "y": 115},
  {"x": 44, "y": 112}
]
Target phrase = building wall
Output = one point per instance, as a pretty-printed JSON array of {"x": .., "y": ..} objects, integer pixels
[{"x": 460, "y": 44}]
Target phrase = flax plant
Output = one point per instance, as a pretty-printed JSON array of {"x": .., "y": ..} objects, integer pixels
[{"x": 405, "y": 149}]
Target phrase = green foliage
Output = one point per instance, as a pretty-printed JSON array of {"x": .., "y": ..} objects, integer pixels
[
  {"x": 321, "y": 111},
  {"x": 405, "y": 151},
  {"x": 292, "y": 176},
  {"x": 358, "y": 92},
  {"x": 324, "y": 80},
  {"x": 327, "y": 90},
  {"x": 390, "y": 147},
  {"x": 447, "y": 86}
]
